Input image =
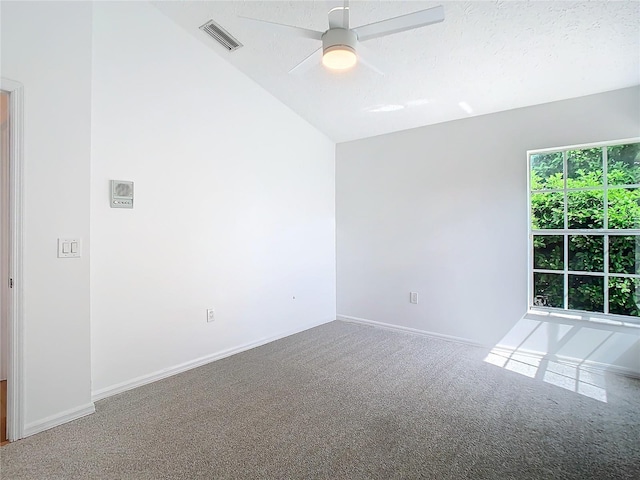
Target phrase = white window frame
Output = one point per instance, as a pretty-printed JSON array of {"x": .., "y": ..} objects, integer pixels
[{"x": 565, "y": 232}]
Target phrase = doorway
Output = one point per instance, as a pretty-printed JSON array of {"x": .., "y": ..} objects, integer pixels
[
  {"x": 11, "y": 264},
  {"x": 4, "y": 259}
]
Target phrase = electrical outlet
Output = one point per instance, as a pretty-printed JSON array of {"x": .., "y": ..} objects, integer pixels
[
  {"x": 210, "y": 315},
  {"x": 413, "y": 297}
]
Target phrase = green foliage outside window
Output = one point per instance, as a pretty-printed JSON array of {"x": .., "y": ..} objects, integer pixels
[
  {"x": 586, "y": 253},
  {"x": 624, "y": 296},
  {"x": 549, "y": 286},
  {"x": 547, "y": 171},
  {"x": 584, "y": 168},
  {"x": 585, "y": 210},
  {"x": 586, "y": 293},
  {"x": 623, "y": 256},
  {"x": 548, "y": 252},
  {"x": 623, "y": 164}
]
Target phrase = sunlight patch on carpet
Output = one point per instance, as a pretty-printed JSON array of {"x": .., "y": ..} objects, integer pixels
[{"x": 553, "y": 371}]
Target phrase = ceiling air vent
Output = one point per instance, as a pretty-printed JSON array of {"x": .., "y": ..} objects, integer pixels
[{"x": 223, "y": 37}]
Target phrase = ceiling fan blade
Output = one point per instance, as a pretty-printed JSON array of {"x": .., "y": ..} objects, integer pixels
[
  {"x": 370, "y": 60},
  {"x": 410, "y": 21},
  {"x": 287, "y": 29},
  {"x": 308, "y": 63},
  {"x": 338, "y": 13},
  {"x": 346, "y": 13}
]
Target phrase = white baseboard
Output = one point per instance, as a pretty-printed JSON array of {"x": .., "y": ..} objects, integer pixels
[
  {"x": 58, "y": 419},
  {"x": 577, "y": 362},
  {"x": 400, "y": 328},
  {"x": 198, "y": 362}
]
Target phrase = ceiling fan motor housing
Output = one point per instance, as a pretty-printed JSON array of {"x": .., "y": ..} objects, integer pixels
[{"x": 339, "y": 38}]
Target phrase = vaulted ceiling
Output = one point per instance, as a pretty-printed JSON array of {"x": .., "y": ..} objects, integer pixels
[{"x": 485, "y": 57}]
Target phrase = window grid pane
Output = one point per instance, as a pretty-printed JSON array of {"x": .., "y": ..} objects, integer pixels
[
  {"x": 585, "y": 236},
  {"x": 586, "y": 293},
  {"x": 584, "y": 168},
  {"x": 547, "y": 171}
]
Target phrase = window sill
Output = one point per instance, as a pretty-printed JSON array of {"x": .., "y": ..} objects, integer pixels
[{"x": 593, "y": 319}]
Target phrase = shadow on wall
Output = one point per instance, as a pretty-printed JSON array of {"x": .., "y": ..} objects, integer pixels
[{"x": 570, "y": 351}]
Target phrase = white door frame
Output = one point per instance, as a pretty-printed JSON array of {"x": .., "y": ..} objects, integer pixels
[{"x": 15, "y": 370}]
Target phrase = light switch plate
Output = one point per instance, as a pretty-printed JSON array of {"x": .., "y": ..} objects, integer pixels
[{"x": 69, "y": 247}]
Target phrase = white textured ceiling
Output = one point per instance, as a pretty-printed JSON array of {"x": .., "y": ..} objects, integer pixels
[{"x": 485, "y": 57}]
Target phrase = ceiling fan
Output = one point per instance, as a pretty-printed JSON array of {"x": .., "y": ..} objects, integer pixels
[{"x": 341, "y": 45}]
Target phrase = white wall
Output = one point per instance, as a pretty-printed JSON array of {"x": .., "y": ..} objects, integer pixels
[
  {"x": 47, "y": 47},
  {"x": 441, "y": 210},
  {"x": 235, "y": 206},
  {"x": 234, "y": 203}
]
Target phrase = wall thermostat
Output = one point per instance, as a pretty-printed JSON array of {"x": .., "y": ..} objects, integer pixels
[{"x": 121, "y": 194}]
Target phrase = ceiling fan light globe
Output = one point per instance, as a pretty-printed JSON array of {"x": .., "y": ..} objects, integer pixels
[{"x": 339, "y": 57}]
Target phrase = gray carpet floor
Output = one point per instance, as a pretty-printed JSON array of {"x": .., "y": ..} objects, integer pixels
[{"x": 345, "y": 401}]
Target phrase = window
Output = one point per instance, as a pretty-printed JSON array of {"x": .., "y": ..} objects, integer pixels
[{"x": 584, "y": 229}]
